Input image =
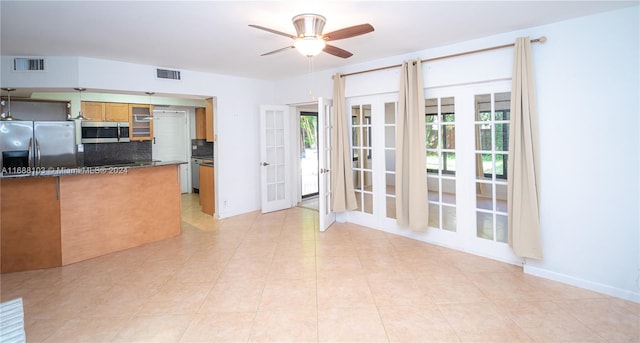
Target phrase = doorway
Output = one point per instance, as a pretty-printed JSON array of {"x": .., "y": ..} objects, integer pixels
[
  {"x": 309, "y": 155},
  {"x": 170, "y": 141}
]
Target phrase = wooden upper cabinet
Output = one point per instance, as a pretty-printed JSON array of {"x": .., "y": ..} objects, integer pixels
[
  {"x": 201, "y": 123},
  {"x": 209, "y": 133},
  {"x": 93, "y": 110},
  {"x": 140, "y": 122},
  {"x": 105, "y": 111},
  {"x": 114, "y": 111}
]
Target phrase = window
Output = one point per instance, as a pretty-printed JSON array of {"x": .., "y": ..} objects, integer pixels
[
  {"x": 441, "y": 162},
  {"x": 492, "y": 149}
]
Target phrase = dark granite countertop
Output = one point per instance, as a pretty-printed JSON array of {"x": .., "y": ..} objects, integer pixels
[{"x": 117, "y": 168}]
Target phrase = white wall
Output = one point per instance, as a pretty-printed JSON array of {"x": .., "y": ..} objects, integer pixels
[
  {"x": 588, "y": 80},
  {"x": 236, "y": 115}
]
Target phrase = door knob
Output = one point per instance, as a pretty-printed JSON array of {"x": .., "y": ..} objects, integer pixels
[{"x": 264, "y": 164}]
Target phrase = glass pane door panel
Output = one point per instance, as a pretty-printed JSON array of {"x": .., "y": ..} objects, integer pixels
[
  {"x": 484, "y": 196},
  {"x": 391, "y": 207},
  {"x": 484, "y": 223},
  {"x": 434, "y": 215},
  {"x": 501, "y": 228},
  {"x": 449, "y": 191},
  {"x": 449, "y": 218},
  {"x": 501, "y": 198}
]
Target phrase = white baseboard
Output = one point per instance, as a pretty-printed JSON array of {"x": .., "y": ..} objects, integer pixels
[{"x": 586, "y": 284}]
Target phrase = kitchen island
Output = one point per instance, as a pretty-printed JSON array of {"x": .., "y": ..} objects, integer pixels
[{"x": 58, "y": 217}]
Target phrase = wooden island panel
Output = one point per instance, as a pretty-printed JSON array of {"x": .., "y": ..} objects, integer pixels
[
  {"x": 101, "y": 214},
  {"x": 30, "y": 224}
]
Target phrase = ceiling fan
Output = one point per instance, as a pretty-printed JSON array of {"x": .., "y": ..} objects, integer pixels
[{"x": 309, "y": 39}]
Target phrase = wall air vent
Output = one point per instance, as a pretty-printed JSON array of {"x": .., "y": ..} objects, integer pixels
[
  {"x": 168, "y": 74},
  {"x": 28, "y": 64}
]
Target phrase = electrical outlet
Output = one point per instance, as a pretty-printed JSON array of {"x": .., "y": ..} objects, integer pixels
[{"x": 224, "y": 203}]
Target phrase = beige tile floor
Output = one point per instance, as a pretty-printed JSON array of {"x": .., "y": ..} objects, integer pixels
[{"x": 267, "y": 278}]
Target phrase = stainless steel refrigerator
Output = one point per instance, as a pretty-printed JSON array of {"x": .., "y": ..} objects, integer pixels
[{"x": 29, "y": 146}]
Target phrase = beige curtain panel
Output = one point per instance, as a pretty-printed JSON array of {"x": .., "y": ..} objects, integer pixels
[
  {"x": 523, "y": 169},
  {"x": 344, "y": 197},
  {"x": 412, "y": 208}
]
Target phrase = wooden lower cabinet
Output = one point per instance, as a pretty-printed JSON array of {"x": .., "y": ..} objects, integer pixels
[
  {"x": 207, "y": 189},
  {"x": 30, "y": 222}
]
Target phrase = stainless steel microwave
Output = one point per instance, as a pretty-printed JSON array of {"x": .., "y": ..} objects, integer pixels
[{"x": 104, "y": 132}]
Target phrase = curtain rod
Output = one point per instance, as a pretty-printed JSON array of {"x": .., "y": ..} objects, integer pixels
[{"x": 537, "y": 40}]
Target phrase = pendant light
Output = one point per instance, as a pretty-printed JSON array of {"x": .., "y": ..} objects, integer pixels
[
  {"x": 80, "y": 114},
  {"x": 7, "y": 116},
  {"x": 148, "y": 118}
]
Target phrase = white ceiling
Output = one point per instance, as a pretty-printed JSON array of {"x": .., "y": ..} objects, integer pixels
[{"x": 214, "y": 36}]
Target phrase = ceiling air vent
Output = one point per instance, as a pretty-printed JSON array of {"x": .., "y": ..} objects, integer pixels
[
  {"x": 28, "y": 64},
  {"x": 168, "y": 74}
]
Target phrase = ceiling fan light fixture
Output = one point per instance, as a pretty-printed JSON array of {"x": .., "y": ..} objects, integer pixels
[
  {"x": 309, "y": 25},
  {"x": 309, "y": 46}
]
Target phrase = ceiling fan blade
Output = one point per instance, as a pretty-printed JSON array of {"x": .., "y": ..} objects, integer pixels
[
  {"x": 273, "y": 31},
  {"x": 276, "y": 51},
  {"x": 348, "y": 32},
  {"x": 335, "y": 51}
]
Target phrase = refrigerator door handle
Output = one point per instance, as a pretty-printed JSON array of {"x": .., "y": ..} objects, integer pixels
[
  {"x": 30, "y": 152},
  {"x": 38, "y": 152}
]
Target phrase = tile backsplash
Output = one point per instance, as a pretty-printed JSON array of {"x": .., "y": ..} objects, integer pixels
[
  {"x": 200, "y": 147},
  {"x": 96, "y": 154}
]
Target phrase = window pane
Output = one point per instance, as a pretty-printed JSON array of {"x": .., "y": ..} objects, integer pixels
[
  {"x": 484, "y": 166},
  {"x": 431, "y": 106},
  {"x": 448, "y": 137},
  {"x": 449, "y": 191},
  {"x": 357, "y": 179},
  {"x": 390, "y": 136},
  {"x": 501, "y": 229},
  {"x": 368, "y": 203},
  {"x": 502, "y": 137},
  {"x": 359, "y": 200},
  {"x": 502, "y": 105},
  {"x": 390, "y": 160},
  {"x": 449, "y": 163},
  {"x": 434, "y": 215},
  {"x": 390, "y": 113},
  {"x": 433, "y": 161},
  {"x": 355, "y": 140},
  {"x": 391, "y": 207},
  {"x": 483, "y": 107},
  {"x": 432, "y": 136},
  {"x": 484, "y": 222},
  {"x": 483, "y": 137},
  {"x": 449, "y": 218},
  {"x": 433, "y": 185},
  {"x": 356, "y": 115},
  {"x": 501, "y": 167},
  {"x": 447, "y": 109},
  {"x": 367, "y": 182},
  {"x": 391, "y": 183},
  {"x": 484, "y": 196},
  {"x": 501, "y": 198}
]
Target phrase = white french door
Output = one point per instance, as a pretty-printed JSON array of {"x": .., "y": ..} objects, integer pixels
[
  {"x": 467, "y": 142},
  {"x": 325, "y": 119},
  {"x": 274, "y": 158}
]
